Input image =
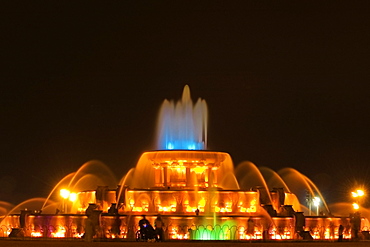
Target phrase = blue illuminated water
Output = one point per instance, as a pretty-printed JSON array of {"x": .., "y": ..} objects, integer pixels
[{"x": 182, "y": 125}]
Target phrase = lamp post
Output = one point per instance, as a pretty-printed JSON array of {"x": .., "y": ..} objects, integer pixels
[
  {"x": 316, "y": 202},
  {"x": 64, "y": 193},
  {"x": 357, "y": 195}
]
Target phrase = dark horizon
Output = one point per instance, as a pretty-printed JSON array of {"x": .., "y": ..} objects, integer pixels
[{"x": 287, "y": 85}]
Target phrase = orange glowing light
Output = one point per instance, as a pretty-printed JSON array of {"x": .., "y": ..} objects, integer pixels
[
  {"x": 64, "y": 193},
  {"x": 36, "y": 234},
  {"x": 73, "y": 197},
  {"x": 199, "y": 170},
  {"x": 202, "y": 202},
  {"x": 358, "y": 193},
  {"x": 78, "y": 235},
  {"x": 61, "y": 233}
]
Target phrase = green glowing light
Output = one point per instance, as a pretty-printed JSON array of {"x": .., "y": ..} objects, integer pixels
[{"x": 226, "y": 231}]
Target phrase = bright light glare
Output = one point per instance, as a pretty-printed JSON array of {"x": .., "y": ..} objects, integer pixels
[
  {"x": 64, "y": 193},
  {"x": 355, "y": 206},
  {"x": 72, "y": 197},
  {"x": 360, "y": 193},
  {"x": 316, "y": 201}
]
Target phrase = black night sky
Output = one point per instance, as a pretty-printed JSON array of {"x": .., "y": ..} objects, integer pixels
[{"x": 287, "y": 85}]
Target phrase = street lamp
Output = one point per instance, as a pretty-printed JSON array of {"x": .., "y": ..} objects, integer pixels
[
  {"x": 316, "y": 202},
  {"x": 72, "y": 197},
  {"x": 357, "y": 195},
  {"x": 65, "y": 194}
]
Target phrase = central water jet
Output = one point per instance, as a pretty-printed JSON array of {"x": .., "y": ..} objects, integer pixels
[{"x": 182, "y": 125}]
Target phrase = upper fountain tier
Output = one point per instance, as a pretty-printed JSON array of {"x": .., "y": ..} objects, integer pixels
[
  {"x": 187, "y": 158},
  {"x": 184, "y": 169},
  {"x": 182, "y": 125}
]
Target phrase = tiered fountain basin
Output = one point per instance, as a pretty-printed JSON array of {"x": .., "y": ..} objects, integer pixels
[
  {"x": 184, "y": 182},
  {"x": 179, "y": 227},
  {"x": 196, "y": 194}
]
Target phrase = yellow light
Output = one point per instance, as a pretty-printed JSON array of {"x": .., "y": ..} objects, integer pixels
[
  {"x": 72, "y": 197},
  {"x": 355, "y": 206},
  {"x": 64, "y": 193},
  {"x": 202, "y": 202},
  {"x": 360, "y": 193},
  {"x": 36, "y": 234},
  {"x": 199, "y": 170},
  {"x": 137, "y": 209},
  {"x": 60, "y": 233}
]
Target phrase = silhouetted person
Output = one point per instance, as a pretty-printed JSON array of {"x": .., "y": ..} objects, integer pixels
[
  {"x": 197, "y": 212},
  {"x": 146, "y": 229},
  {"x": 340, "y": 233},
  {"x": 143, "y": 222},
  {"x": 159, "y": 233}
]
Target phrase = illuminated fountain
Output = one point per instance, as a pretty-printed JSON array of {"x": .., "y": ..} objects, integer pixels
[{"x": 197, "y": 193}]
